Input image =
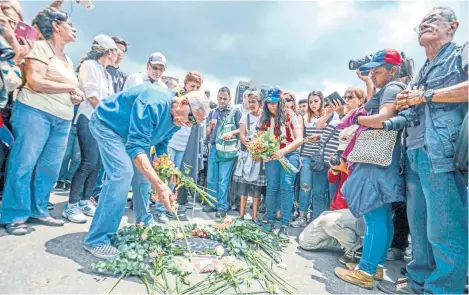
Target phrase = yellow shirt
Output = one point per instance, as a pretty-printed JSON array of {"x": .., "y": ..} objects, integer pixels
[{"x": 59, "y": 104}]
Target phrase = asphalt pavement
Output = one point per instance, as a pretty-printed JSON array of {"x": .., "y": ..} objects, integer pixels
[{"x": 52, "y": 261}]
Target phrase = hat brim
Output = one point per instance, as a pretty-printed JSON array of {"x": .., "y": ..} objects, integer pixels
[
  {"x": 272, "y": 99},
  {"x": 371, "y": 65},
  {"x": 157, "y": 63}
]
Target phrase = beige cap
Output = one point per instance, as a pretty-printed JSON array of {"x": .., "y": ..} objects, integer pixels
[{"x": 345, "y": 136}]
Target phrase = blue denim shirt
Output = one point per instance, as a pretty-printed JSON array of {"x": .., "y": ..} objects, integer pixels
[
  {"x": 443, "y": 120},
  {"x": 142, "y": 116}
]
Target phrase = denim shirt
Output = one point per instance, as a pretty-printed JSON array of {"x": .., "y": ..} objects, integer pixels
[
  {"x": 142, "y": 116},
  {"x": 443, "y": 120}
]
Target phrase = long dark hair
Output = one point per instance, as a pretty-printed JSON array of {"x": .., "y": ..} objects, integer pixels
[
  {"x": 266, "y": 115},
  {"x": 321, "y": 109}
]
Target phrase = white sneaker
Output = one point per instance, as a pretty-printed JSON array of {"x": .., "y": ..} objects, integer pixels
[
  {"x": 89, "y": 208},
  {"x": 104, "y": 252},
  {"x": 300, "y": 222},
  {"x": 73, "y": 213}
]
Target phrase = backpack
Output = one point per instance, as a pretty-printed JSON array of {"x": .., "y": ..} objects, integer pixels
[{"x": 227, "y": 150}]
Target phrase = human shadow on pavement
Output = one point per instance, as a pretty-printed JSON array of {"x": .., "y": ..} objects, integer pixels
[{"x": 71, "y": 246}]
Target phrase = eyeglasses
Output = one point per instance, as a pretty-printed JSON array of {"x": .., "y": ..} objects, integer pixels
[
  {"x": 191, "y": 116},
  {"x": 158, "y": 68},
  {"x": 350, "y": 97},
  {"x": 426, "y": 22}
]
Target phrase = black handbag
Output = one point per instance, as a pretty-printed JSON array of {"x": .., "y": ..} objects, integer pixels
[{"x": 317, "y": 158}]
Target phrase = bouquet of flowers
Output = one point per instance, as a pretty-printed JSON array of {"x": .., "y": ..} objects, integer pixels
[
  {"x": 165, "y": 169},
  {"x": 263, "y": 146}
]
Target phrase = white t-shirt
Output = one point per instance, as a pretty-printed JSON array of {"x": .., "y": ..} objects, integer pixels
[
  {"x": 253, "y": 122},
  {"x": 139, "y": 79},
  {"x": 94, "y": 81},
  {"x": 57, "y": 104},
  {"x": 179, "y": 140}
]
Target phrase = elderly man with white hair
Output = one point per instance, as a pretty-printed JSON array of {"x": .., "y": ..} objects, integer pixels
[
  {"x": 126, "y": 125},
  {"x": 436, "y": 188}
]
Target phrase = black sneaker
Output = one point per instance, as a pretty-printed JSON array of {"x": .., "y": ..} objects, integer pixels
[
  {"x": 351, "y": 256},
  {"x": 67, "y": 186},
  {"x": 208, "y": 209},
  {"x": 283, "y": 232},
  {"x": 60, "y": 185},
  {"x": 50, "y": 206},
  {"x": 189, "y": 205},
  {"x": 401, "y": 286},
  {"x": 220, "y": 214}
]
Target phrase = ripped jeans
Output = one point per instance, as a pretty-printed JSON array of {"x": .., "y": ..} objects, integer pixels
[{"x": 313, "y": 189}]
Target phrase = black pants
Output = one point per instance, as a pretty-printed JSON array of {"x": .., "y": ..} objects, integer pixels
[
  {"x": 401, "y": 226},
  {"x": 87, "y": 173}
]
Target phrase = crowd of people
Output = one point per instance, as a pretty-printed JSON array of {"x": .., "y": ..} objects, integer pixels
[{"x": 370, "y": 167}]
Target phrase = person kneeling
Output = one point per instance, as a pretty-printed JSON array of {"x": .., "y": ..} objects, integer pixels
[{"x": 337, "y": 226}]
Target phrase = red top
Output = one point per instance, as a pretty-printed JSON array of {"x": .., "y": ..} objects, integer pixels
[
  {"x": 288, "y": 136},
  {"x": 338, "y": 202}
]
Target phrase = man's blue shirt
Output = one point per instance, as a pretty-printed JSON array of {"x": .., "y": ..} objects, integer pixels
[{"x": 142, "y": 116}]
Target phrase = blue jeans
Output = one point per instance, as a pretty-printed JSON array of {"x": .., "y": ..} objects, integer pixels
[
  {"x": 69, "y": 163},
  {"x": 98, "y": 186},
  {"x": 176, "y": 158},
  {"x": 34, "y": 162},
  {"x": 313, "y": 189},
  {"x": 378, "y": 238},
  {"x": 280, "y": 188},
  {"x": 218, "y": 179},
  {"x": 120, "y": 173},
  {"x": 87, "y": 173},
  {"x": 437, "y": 213}
]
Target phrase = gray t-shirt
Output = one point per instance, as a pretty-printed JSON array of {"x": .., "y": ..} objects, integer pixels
[
  {"x": 384, "y": 95},
  {"x": 416, "y": 135}
]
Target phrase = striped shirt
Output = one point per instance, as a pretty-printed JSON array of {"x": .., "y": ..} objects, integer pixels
[
  {"x": 333, "y": 143},
  {"x": 310, "y": 129},
  {"x": 309, "y": 148}
]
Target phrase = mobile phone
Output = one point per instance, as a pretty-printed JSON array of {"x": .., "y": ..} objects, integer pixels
[
  {"x": 335, "y": 97},
  {"x": 26, "y": 31},
  {"x": 86, "y": 3}
]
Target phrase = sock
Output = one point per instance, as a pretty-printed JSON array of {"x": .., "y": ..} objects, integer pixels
[
  {"x": 83, "y": 203},
  {"x": 357, "y": 268}
]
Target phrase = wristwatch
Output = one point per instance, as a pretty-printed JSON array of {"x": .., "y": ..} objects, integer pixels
[{"x": 428, "y": 95}]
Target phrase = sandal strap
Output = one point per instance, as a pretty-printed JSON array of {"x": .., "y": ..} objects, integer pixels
[{"x": 20, "y": 224}]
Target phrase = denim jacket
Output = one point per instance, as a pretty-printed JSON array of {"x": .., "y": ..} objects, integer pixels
[{"x": 443, "y": 120}]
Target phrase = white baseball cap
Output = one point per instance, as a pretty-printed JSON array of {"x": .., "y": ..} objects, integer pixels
[
  {"x": 105, "y": 41},
  {"x": 157, "y": 58}
]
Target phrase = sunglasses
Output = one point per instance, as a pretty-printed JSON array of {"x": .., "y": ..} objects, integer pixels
[
  {"x": 191, "y": 116},
  {"x": 348, "y": 97}
]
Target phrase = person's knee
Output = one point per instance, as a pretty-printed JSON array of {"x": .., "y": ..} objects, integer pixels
[{"x": 305, "y": 241}]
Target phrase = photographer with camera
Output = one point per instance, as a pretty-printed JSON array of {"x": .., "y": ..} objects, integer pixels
[
  {"x": 436, "y": 190},
  {"x": 374, "y": 183}
]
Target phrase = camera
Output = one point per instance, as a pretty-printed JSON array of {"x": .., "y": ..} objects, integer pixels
[
  {"x": 405, "y": 118},
  {"x": 335, "y": 160},
  {"x": 355, "y": 64}
]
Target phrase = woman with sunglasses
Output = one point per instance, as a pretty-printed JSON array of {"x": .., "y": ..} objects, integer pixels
[
  {"x": 280, "y": 183},
  {"x": 41, "y": 119},
  {"x": 313, "y": 184},
  {"x": 96, "y": 83}
]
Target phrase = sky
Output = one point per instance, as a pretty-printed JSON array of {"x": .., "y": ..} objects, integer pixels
[{"x": 298, "y": 46}]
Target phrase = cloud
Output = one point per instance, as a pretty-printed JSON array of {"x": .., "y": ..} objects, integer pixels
[
  {"x": 331, "y": 86},
  {"x": 226, "y": 43}
]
